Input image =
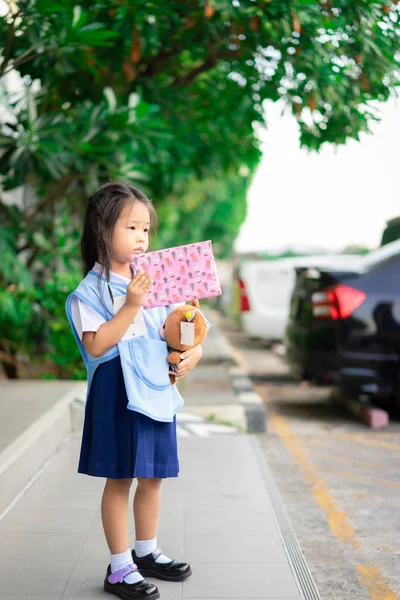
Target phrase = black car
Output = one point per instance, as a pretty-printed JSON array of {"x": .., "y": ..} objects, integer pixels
[{"x": 344, "y": 326}]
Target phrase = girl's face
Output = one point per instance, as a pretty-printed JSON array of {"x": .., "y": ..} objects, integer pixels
[{"x": 131, "y": 233}]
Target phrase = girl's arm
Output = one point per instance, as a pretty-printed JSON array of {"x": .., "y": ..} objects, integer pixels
[{"x": 109, "y": 334}]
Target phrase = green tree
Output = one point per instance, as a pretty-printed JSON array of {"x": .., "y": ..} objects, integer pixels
[{"x": 168, "y": 96}]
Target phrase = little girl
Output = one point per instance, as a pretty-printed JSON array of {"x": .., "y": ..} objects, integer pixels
[{"x": 130, "y": 416}]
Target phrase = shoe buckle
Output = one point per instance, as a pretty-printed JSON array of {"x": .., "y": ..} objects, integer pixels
[
  {"x": 156, "y": 553},
  {"x": 118, "y": 576}
]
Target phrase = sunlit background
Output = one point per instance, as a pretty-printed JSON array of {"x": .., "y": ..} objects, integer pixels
[{"x": 327, "y": 201}]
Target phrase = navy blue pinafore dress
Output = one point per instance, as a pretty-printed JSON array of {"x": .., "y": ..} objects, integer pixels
[
  {"x": 120, "y": 438},
  {"x": 118, "y": 443}
]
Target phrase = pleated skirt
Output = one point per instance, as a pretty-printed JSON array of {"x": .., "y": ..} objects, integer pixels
[{"x": 119, "y": 443}]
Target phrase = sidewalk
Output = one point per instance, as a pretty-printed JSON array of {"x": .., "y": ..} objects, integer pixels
[{"x": 222, "y": 514}]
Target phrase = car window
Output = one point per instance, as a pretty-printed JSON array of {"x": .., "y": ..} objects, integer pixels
[
  {"x": 379, "y": 257},
  {"x": 388, "y": 264}
]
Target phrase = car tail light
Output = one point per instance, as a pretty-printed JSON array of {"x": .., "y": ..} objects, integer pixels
[
  {"x": 337, "y": 302},
  {"x": 244, "y": 299}
]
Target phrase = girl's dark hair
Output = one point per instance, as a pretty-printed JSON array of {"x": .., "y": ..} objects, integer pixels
[{"x": 102, "y": 213}]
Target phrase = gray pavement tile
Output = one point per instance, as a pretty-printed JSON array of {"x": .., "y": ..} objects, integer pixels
[
  {"x": 66, "y": 457},
  {"x": 225, "y": 450},
  {"x": 168, "y": 504},
  {"x": 172, "y": 488},
  {"x": 50, "y": 499},
  {"x": 53, "y": 546},
  {"x": 221, "y": 449},
  {"x": 220, "y": 482},
  {"x": 33, "y": 577},
  {"x": 236, "y": 501},
  {"x": 167, "y": 589},
  {"x": 87, "y": 579},
  {"x": 24, "y": 401},
  {"x": 210, "y": 580},
  {"x": 70, "y": 482},
  {"x": 223, "y": 479},
  {"x": 29, "y": 597},
  {"x": 99, "y": 596},
  {"x": 171, "y": 523},
  {"x": 235, "y": 548},
  {"x": 230, "y": 522},
  {"x": 47, "y": 521}
]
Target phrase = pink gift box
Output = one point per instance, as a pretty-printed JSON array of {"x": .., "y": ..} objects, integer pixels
[{"x": 180, "y": 274}]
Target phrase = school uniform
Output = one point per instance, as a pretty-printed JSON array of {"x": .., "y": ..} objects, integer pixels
[{"x": 130, "y": 413}]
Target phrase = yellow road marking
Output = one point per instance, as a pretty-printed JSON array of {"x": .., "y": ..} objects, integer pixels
[
  {"x": 372, "y": 579},
  {"x": 335, "y": 435},
  {"x": 370, "y": 576},
  {"x": 312, "y": 442},
  {"x": 337, "y": 518},
  {"x": 347, "y": 475},
  {"x": 361, "y": 440},
  {"x": 350, "y": 461}
]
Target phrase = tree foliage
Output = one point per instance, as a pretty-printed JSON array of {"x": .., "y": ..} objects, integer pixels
[{"x": 168, "y": 95}]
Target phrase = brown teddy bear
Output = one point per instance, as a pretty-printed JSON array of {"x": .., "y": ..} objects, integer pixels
[{"x": 184, "y": 328}]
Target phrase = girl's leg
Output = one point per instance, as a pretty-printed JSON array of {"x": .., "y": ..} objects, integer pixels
[
  {"x": 151, "y": 560},
  {"x": 114, "y": 514},
  {"x": 146, "y": 507}
]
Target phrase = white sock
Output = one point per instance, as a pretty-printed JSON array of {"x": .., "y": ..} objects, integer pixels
[
  {"x": 119, "y": 561},
  {"x": 145, "y": 547}
]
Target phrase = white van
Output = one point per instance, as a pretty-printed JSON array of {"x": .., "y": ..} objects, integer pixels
[{"x": 265, "y": 290}]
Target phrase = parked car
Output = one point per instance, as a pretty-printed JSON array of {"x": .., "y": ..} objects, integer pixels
[
  {"x": 344, "y": 325},
  {"x": 266, "y": 287}
]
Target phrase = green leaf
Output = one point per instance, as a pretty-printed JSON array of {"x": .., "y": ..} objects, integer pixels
[
  {"x": 32, "y": 111},
  {"x": 41, "y": 241},
  {"x": 78, "y": 17},
  {"x": 111, "y": 99}
]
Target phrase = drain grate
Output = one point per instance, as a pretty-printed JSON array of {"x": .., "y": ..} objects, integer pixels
[{"x": 293, "y": 550}]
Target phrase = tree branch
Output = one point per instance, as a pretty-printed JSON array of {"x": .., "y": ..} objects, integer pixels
[
  {"x": 208, "y": 64},
  {"x": 25, "y": 57},
  {"x": 58, "y": 190},
  {"x": 185, "y": 80},
  {"x": 7, "y": 50},
  {"x": 158, "y": 62}
]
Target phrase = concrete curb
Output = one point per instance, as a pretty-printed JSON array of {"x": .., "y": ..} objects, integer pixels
[
  {"x": 255, "y": 411},
  {"x": 221, "y": 349},
  {"x": 21, "y": 459}
]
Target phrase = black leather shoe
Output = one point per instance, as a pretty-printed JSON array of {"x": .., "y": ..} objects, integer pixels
[
  {"x": 142, "y": 590},
  {"x": 171, "y": 571}
]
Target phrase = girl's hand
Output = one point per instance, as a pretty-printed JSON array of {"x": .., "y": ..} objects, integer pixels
[
  {"x": 137, "y": 289},
  {"x": 190, "y": 358}
]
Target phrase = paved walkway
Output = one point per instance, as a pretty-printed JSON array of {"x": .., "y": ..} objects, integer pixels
[{"x": 219, "y": 515}]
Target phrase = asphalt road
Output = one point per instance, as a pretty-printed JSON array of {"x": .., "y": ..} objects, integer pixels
[{"x": 339, "y": 480}]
